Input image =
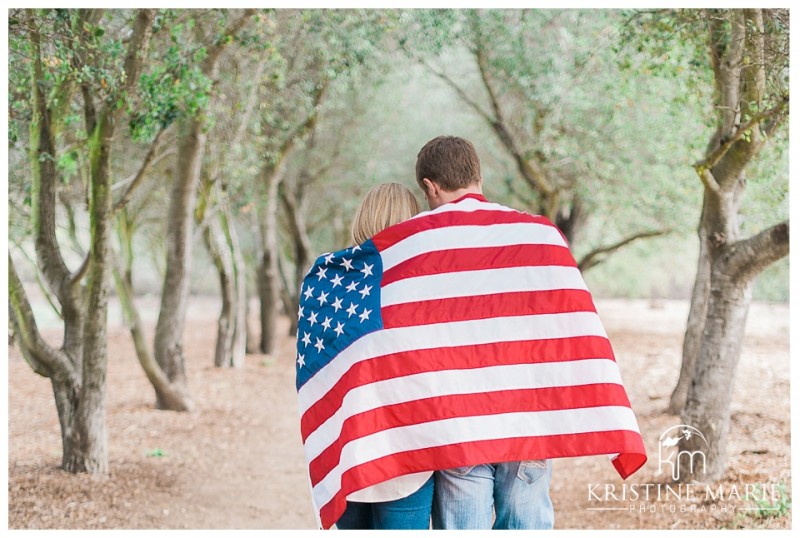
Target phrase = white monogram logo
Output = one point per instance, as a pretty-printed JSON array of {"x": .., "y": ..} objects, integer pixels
[{"x": 669, "y": 454}]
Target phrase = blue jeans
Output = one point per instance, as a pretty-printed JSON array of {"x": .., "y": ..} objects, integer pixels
[
  {"x": 412, "y": 512},
  {"x": 517, "y": 492}
]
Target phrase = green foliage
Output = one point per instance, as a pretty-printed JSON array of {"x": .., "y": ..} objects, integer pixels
[
  {"x": 155, "y": 453},
  {"x": 768, "y": 508},
  {"x": 174, "y": 87},
  {"x": 615, "y": 104},
  {"x": 177, "y": 89},
  {"x": 68, "y": 164}
]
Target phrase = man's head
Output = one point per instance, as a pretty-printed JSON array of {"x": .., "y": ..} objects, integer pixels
[{"x": 447, "y": 168}]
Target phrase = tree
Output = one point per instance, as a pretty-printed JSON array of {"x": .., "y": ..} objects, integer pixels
[
  {"x": 749, "y": 56},
  {"x": 166, "y": 368},
  {"x": 316, "y": 50},
  {"x": 519, "y": 64},
  {"x": 80, "y": 54}
]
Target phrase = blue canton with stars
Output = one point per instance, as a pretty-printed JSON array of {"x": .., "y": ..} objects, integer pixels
[{"x": 339, "y": 303}]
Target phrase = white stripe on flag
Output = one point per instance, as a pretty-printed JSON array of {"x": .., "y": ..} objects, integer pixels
[
  {"x": 481, "y": 282},
  {"x": 473, "y": 428},
  {"x": 470, "y": 236},
  {"x": 457, "y": 333},
  {"x": 449, "y": 382},
  {"x": 467, "y": 205}
]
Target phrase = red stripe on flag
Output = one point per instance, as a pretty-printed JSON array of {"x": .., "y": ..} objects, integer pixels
[
  {"x": 481, "y": 217},
  {"x": 628, "y": 443},
  {"x": 474, "y": 259},
  {"x": 479, "y": 307},
  {"x": 461, "y": 357},
  {"x": 464, "y": 405}
]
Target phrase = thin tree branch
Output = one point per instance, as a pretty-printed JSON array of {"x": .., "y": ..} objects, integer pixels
[
  {"x": 707, "y": 178},
  {"x": 711, "y": 160},
  {"x": 531, "y": 171},
  {"x": 42, "y": 286},
  {"x": 600, "y": 254},
  {"x": 210, "y": 61},
  {"x": 461, "y": 93},
  {"x": 139, "y": 176}
]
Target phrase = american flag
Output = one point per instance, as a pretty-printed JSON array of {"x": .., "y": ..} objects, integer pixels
[{"x": 464, "y": 335}]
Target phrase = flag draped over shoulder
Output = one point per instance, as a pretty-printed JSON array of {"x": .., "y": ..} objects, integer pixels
[{"x": 464, "y": 335}]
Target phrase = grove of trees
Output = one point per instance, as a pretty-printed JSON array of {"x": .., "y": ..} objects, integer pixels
[{"x": 149, "y": 146}]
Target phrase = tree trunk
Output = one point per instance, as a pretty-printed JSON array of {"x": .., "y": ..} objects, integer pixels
[
  {"x": 78, "y": 370},
  {"x": 217, "y": 246},
  {"x": 709, "y": 395},
  {"x": 90, "y": 423},
  {"x": 737, "y": 52},
  {"x": 268, "y": 276},
  {"x": 168, "y": 344},
  {"x": 62, "y": 370},
  {"x": 176, "y": 395},
  {"x": 695, "y": 324},
  {"x": 293, "y": 201},
  {"x": 252, "y": 334},
  {"x": 240, "y": 284}
]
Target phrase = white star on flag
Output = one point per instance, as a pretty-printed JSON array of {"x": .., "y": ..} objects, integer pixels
[
  {"x": 339, "y": 329},
  {"x": 306, "y": 338},
  {"x": 365, "y": 291},
  {"x": 356, "y": 248},
  {"x": 364, "y": 315},
  {"x": 308, "y": 293},
  {"x": 321, "y": 273},
  {"x": 327, "y": 322},
  {"x": 300, "y": 312},
  {"x": 337, "y": 304},
  {"x": 337, "y": 280},
  {"x": 301, "y": 360},
  {"x": 367, "y": 270},
  {"x": 312, "y": 319},
  {"x": 347, "y": 264},
  {"x": 352, "y": 286},
  {"x": 351, "y": 310},
  {"x": 319, "y": 345},
  {"x": 329, "y": 258},
  {"x": 323, "y": 298}
]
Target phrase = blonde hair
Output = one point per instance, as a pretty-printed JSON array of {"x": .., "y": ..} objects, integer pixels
[{"x": 383, "y": 206}]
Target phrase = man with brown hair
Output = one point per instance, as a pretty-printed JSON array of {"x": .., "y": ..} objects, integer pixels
[{"x": 517, "y": 492}]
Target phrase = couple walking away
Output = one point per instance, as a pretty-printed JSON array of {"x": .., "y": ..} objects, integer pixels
[{"x": 447, "y": 357}]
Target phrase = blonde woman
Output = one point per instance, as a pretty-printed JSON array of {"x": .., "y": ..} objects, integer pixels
[{"x": 403, "y": 502}]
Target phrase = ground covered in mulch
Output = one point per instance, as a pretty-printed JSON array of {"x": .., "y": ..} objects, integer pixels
[{"x": 237, "y": 462}]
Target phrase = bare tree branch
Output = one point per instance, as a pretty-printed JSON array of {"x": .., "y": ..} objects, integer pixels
[
  {"x": 139, "y": 176},
  {"x": 707, "y": 178},
  {"x": 600, "y": 254},
  {"x": 42, "y": 286},
  {"x": 748, "y": 257},
  {"x": 210, "y": 61},
  {"x": 530, "y": 170}
]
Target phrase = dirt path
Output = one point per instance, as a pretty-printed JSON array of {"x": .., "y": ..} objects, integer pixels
[{"x": 237, "y": 462}]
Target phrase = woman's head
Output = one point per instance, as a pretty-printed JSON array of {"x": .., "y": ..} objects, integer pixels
[{"x": 383, "y": 206}]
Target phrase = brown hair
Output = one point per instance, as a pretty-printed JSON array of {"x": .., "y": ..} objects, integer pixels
[
  {"x": 449, "y": 161},
  {"x": 383, "y": 206}
]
